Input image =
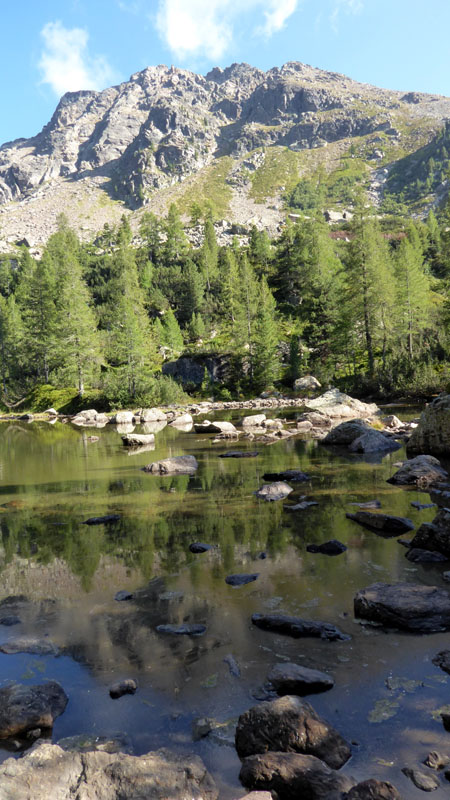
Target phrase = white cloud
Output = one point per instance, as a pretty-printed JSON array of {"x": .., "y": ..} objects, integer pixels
[
  {"x": 65, "y": 62},
  {"x": 346, "y": 6},
  {"x": 206, "y": 27}
]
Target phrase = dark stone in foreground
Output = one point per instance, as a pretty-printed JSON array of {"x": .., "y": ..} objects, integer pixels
[
  {"x": 239, "y": 454},
  {"x": 241, "y": 580},
  {"x": 419, "y": 556},
  {"x": 293, "y": 776},
  {"x": 49, "y": 772},
  {"x": 199, "y": 547},
  {"x": 108, "y": 519},
  {"x": 384, "y": 524},
  {"x": 422, "y": 471},
  {"x": 346, "y": 432},
  {"x": 293, "y": 679},
  {"x": 422, "y": 506},
  {"x": 412, "y": 607},
  {"x": 442, "y": 660},
  {"x": 373, "y": 790},
  {"x": 127, "y": 686},
  {"x": 180, "y": 630},
  {"x": 290, "y": 725},
  {"x": 291, "y": 475},
  {"x": 435, "y": 535},
  {"x": 331, "y": 548},
  {"x": 445, "y": 716},
  {"x": 123, "y": 595},
  {"x": 423, "y": 780},
  {"x": 23, "y": 708},
  {"x": 298, "y": 627}
]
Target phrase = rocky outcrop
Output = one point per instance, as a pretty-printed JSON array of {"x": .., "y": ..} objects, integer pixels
[
  {"x": 177, "y": 465},
  {"x": 412, "y": 607},
  {"x": 68, "y": 775},
  {"x": 290, "y": 725},
  {"x": 432, "y": 434}
]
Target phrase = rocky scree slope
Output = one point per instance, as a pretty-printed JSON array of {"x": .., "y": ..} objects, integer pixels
[{"x": 150, "y": 134}]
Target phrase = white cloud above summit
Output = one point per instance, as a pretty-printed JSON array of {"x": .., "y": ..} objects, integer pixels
[
  {"x": 205, "y": 28},
  {"x": 65, "y": 63}
]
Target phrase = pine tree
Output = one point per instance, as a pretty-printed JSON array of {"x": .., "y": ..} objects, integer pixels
[
  {"x": 172, "y": 336},
  {"x": 209, "y": 254},
  {"x": 12, "y": 339},
  {"x": 37, "y": 300},
  {"x": 265, "y": 340},
  {"x": 413, "y": 292}
]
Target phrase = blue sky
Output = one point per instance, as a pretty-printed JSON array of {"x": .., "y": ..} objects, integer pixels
[{"x": 52, "y": 46}]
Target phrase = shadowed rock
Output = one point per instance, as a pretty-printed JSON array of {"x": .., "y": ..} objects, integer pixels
[
  {"x": 23, "y": 708},
  {"x": 373, "y": 789},
  {"x": 199, "y": 547},
  {"x": 127, "y": 686},
  {"x": 108, "y": 519},
  {"x": 423, "y": 470},
  {"x": 182, "y": 630},
  {"x": 290, "y": 678},
  {"x": 412, "y": 607},
  {"x": 290, "y": 475},
  {"x": 293, "y": 776},
  {"x": 239, "y": 454},
  {"x": 384, "y": 524},
  {"x": 298, "y": 627},
  {"x": 290, "y": 725},
  {"x": 442, "y": 660},
  {"x": 331, "y": 548},
  {"x": 419, "y": 556},
  {"x": 241, "y": 579},
  {"x": 435, "y": 535}
]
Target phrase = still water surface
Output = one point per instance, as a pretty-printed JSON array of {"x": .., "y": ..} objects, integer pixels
[{"x": 52, "y": 477}]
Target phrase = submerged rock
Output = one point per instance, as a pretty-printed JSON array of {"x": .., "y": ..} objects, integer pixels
[
  {"x": 290, "y": 678},
  {"x": 105, "y": 776},
  {"x": 298, "y": 627},
  {"x": 108, "y": 519},
  {"x": 199, "y": 547},
  {"x": 177, "y": 465},
  {"x": 331, "y": 548},
  {"x": 84, "y": 743},
  {"x": 419, "y": 556},
  {"x": 384, "y": 524},
  {"x": 346, "y": 432},
  {"x": 28, "y": 644},
  {"x": 274, "y": 491},
  {"x": 23, "y": 708},
  {"x": 423, "y": 780},
  {"x": 412, "y": 607},
  {"x": 182, "y": 630},
  {"x": 241, "y": 579},
  {"x": 291, "y": 475},
  {"x": 233, "y": 666},
  {"x": 442, "y": 660},
  {"x": 239, "y": 454},
  {"x": 290, "y": 725},
  {"x": 127, "y": 686},
  {"x": 424, "y": 470},
  {"x": 293, "y": 776}
]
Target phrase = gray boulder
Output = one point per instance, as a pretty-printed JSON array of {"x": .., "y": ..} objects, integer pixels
[
  {"x": 23, "y": 708},
  {"x": 254, "y": 421},
  {"x": 218, "y": 426},
  {"x": 177, "y": 465},
  {"x": 290, "y": 725},
  {"x": 138, "y": 439},
  {"x": 346, "y": 432},
  {"x": 51, "y": 772},
  {"x": 336, "y": 404},
  {"x": 182, "y": 421},
  {"x": 423, "y": 470},
  {"x": 123, "y": 418},
  {"x": 412, "y": 607},
  {"x": 432, "y": 434},
  {"x": 274, "y": 491},
  {"x": 152, "y": 415},
  {"x": 425, "y": 781},
  {"x": 373, "y": 789},
  {"x": 288, "y": 678},
  {"x": 293, "y": 776},
  {"x": 435, "y": 536},
  {"x": 373, "y": 441},
  {"x": 306, "y": 384}
]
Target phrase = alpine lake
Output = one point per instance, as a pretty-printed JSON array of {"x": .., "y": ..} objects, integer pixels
[{"x": 65, "y": 575}]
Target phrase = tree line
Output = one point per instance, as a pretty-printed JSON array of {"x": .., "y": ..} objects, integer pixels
[{"x": 366, "y": 308}]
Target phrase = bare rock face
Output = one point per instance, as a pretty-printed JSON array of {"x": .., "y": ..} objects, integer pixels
[
  {"x": 104, "y": 776},
  {"x": 293, "y": 776},
  {"x": 421, "y": 470},
  {"x": 177, "y": 465},
  {"x": 435, "y": 536},
  {"x": 337, "y": 405},
  {"x": 432, "y": 434},
  {"x": 290, "y": 725},
  {"x": 23, "y": 708},
  {"x": 412, "y": 607}
]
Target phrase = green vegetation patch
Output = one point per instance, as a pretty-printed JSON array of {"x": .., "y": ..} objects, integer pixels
[
  {"x": 278, "y": 173},
  {"x": 210, "y": 190}
]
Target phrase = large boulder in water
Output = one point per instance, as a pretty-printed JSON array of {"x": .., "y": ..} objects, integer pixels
[
  {"x": 435, "y": 536},
  {"x": 23, "y": 708},
  {"x": 422, "y": 470},
  {"x": 293, "y": 776},
  {"x": 346, "y": 432},
  {"x": 290, "y": 725},
  {"x": 432, "y": 434},
  {"x": 412, "y": 607},
  {"x": 51, "y": 772},
  {"x": 177, "y": 465},
  {"x": 336, "y": 404}
]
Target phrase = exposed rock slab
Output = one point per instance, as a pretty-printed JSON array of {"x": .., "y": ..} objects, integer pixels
[
  {"x": 308, "y": 383},
  {"x": 385, "y": 524},
  {"x": 336, "y": 404},
  {"x": 432, "y": 434},
  {"x": 290, "y": 725},
  {"x": 67, "y": 775},
  {"x": 293, "y": 776},
  {"x": 274, "y": 491},
  {"x": 422, "y": 470},
  {"x": 298, "y": 627},
  {"x": 288, "y": 678},
  {"x": 23, "y": 708},
  {"x": 412, "y": 607},
  {"x": 177, "y": 465}
]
